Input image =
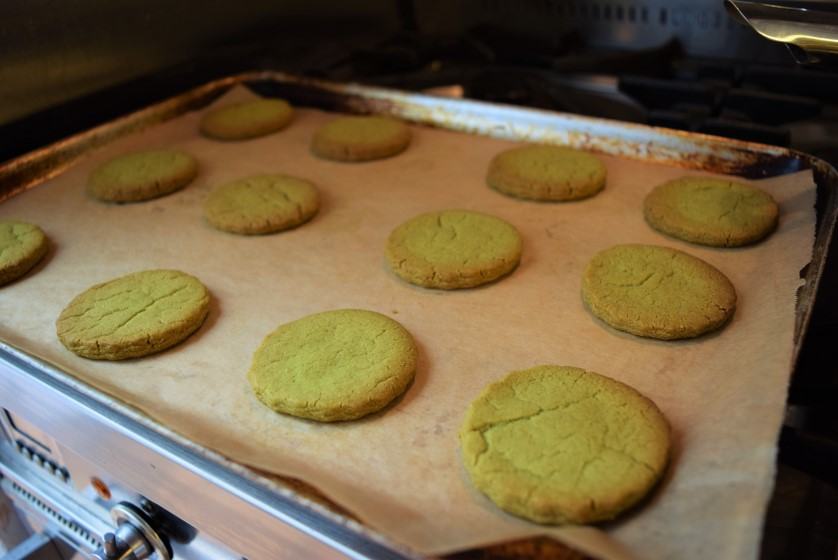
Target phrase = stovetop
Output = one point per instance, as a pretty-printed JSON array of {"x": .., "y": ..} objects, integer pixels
[
  {"x": 766, "y": 101},
  {"x": 763, "y": 101}
]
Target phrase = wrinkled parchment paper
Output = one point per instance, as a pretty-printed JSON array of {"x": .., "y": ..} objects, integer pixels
[{"x": 399, "y": 470}]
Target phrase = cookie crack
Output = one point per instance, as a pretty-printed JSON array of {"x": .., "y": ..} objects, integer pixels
[
  {"x": 733, "y": 209},
  {"x": 630, "y": 457},
  {"x": 290, "y": 201},
  {"x": 99, "y": 318},
  {"x": 380, "y": 381},
  {"x": 99, "y": 302},
  {"x": 18, "y": 241},
  {"x": 636, "y": 284},
  {"x": 564, "y": 406},
  {"x": 145, "y": 308}
]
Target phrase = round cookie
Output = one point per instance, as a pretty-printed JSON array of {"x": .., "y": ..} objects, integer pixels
[
  {"x": 331, "y": 366},
  {"x": 711, "y": 211},
  {"x": 22, "y": 245},
  {"x": 546, "y": 173},
  {"x": 563, "y": 445},
  {"x": 134, "y": 315},
  {"x": 250, "y": 119},
  {"x": 354, "y": 139},
  {"x": 261, "y": 204},
  {"x": 142, "y": 176},
  {"x": 453, "y": 249},
  {"x": 657, "y": 292}
]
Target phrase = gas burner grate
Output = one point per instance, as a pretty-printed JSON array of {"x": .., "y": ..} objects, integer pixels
[{"x": 659, "y": 85}]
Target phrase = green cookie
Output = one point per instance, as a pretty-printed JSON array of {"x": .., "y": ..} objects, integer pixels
[
  {"x": 563, "y": 445},
  {"x": 134, "y": 315},
  {"x": 246, "y": 120},
  {"x": 354, "y": 139},
  {"x": 710, "y": 211},
  {"x": 261, "y": 204},
  {"x": 453, "y": 249},
  {"x": 142, "y": 175},
  {"x": 547, "y": 173},
  {"x": 336, "y": 365},
  {"x": 657, "y": 292},
  {"x": 22, "y": 245}
]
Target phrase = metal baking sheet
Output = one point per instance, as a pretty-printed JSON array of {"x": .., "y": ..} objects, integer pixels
[{"x": 629, "y": 142}]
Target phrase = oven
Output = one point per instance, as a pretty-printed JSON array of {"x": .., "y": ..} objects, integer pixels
[{"x": 85, "y": 475}]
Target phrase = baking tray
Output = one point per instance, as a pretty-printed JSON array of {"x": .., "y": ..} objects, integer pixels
[
  {"x": 690, "y": 150},
  {"x": 693, "y": 151}
]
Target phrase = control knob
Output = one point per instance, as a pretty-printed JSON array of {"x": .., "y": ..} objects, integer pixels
[{"x": 134, "y": 539}]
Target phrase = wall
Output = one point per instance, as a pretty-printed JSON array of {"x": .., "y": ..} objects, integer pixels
[{"x": 51, "y": 51}]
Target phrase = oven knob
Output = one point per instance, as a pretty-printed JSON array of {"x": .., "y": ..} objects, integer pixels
[{"x": 134, "y": 539}]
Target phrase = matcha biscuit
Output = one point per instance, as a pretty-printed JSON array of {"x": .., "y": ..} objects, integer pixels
[
  {"x": 548, "y": 173},
  {"x": 22, "y": 245},
  {"x": 250, "y": 119},
  {"x": 142, "y": 175},
  {"x": 261, "y": 204},
  {"x": 336, "y": 365},
  {"x": 559, "y": 444},
  {"x": 354, "y": 139},
  {"x": 453, "y": 249},
  {"x": 134, "y": 315},
  {"x": 657, "y": 292},
  {"x": 710, "y": 211}
]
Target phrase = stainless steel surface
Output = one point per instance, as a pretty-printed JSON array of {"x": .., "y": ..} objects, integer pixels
[
  {"x": 53, "y": 503},
  {"x": 74, "y": 515},
  {"x": 38, "y": 546},
  {"x": 810, "y": 25},
  {"x": 12, "y": 527},
  {"x": 252, "y": 515},
  {"x": 34, "y": 444}
]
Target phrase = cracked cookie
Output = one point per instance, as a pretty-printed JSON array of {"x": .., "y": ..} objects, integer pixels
[
  {"x": 546, "y": 173},
  {"x": 134, "y": 315},
  {"x": 22, "y": 245},
  {"x": 246, "y": 120},
  {"x": 142, "y": 176},
  {"x": 261, "y": 204},
  {"x": 453, "y": 249},
  {"x": 657, "y": 292},
  {"x": 354, "y": 139},
  {"x": 335, "y": 365},
  {"x": 559, "y": 444},
  {"x": 711, "y": 211}
]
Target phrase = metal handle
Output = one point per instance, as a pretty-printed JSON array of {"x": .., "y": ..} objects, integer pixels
[
  {"x": 134, "y": 538},
  {"x": 808, "y": 25}
]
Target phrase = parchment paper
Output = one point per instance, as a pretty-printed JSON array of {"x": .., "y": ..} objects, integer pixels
[{"x": 399, "y": 470}]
